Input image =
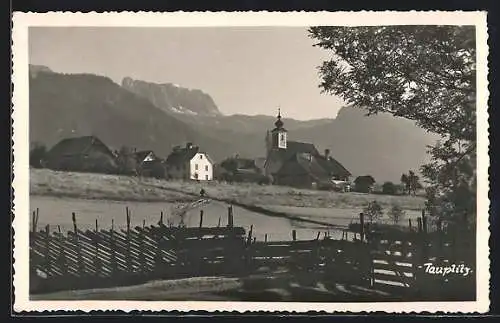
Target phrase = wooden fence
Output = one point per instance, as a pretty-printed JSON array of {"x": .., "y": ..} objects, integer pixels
[
  {"x": 113, "y": 257},
  {"x": 376, "y": 257}
]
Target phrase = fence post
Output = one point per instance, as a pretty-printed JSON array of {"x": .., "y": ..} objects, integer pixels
[
  {"x": 97, "y": 261},
  {"x": 265, "y": 237},
  {"x": 141, "y": 248},
  {"x": 419, "y": 224},
  {"x": 200, "y": 235},
  {"x": 230, "y": 216},
  {"x": 249, "y": 239},
  {"x": 62, "y": 252},
  {"x": 409, "y": 224},
  {"x": 362, "y": 224},
  {"x": 128, "y": 257},
  {"x": 77, "y": 244},
  {"x": 36, "y": 220},
  {"x": 218, "y": 223},
  {"x": 424, "y": 221},
  {"x": 114, "y": 265},
  {"x": 317, "y": 236},
  {"x": 47, "y": 250},
  {"x": 161, "y": 218},
  {"x": 33, "y": 222},
  {"x": 294, "y": 235}
]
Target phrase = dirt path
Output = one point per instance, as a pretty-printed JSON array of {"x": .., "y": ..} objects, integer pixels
[{"x": 253, "y": 208}]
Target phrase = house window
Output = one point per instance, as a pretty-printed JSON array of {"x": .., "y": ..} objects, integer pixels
[
  {"x": 206, "y": 177},
  {"x": 201, "y": 156},
  {"x": 196, "y": 167},
  {"x": 206, "y": 168}
]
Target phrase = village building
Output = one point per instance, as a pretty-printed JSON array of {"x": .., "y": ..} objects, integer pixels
[
  {"x": 237, "y": 169},
  {"x": 299, "y": 164},
  {"x": 81, "y": 154},
  {"x": 148, "y": 164},
  {"x": 189, "y": 163}
]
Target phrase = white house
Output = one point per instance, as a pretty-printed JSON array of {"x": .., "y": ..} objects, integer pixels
[{"x": 189, "y": 163}]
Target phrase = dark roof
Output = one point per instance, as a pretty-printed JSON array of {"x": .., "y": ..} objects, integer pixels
[
  {"x": 245, "y": 163},
  {"x": 365, "y": 178},
  {"x": 332, "y": 166},
  {"x": 277, "y": 157},
  {"x": 301, "y": 147},
  {"x": 78, "y": 146},
  {"x": 300, "y": 164},
  {"x": 182, "y": 155},
  {"x": 141, "y": 155}
]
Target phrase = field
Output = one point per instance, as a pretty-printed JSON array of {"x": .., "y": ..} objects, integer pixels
[
  {"x": 271, "y": 210},
  {"x": 123, "y": 188}
]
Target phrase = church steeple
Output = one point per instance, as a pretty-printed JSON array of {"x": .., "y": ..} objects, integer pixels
[
  {"x": 279, "y": 123},
  {"x": 276, "y": 138}
]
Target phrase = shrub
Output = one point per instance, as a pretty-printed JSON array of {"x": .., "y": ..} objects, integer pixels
[
  {"x": 396, "y": 214},
  {"x": 389, "y": 188},
  {"x": 37, "y": 155},
  {"x": 373, "y": 211},
  {"x": 364, "y": 184}
]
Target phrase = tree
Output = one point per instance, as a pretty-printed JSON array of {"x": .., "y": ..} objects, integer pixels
[
  {"x": 364, "y": 183},
  {"x": 37, "y": 155},
  {"x": 411, "y": 182},
  {"x": 406, "y": 183},
  {"x": 374, "y": 211},
  {"x": 127, "y": 163},
  {"x": 389, "y": 188},
  {"x": 230, "y": 165},
  {"x": 421, "y": 73},
  {"x": 396, "y": 214}
]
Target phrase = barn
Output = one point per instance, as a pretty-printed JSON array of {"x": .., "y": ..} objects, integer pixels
[{"x": 81, "y": 154}]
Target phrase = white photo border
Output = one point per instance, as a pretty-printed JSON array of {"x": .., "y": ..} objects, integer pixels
[{"x": 20, "y": 115}]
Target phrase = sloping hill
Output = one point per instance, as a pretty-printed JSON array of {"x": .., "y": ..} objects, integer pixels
[
  {"x": 63, "y": 106},
  {"x": 75, "y": 105}
]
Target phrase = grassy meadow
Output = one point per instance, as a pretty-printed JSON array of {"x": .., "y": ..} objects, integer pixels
[{"x": 45, "y": 182}]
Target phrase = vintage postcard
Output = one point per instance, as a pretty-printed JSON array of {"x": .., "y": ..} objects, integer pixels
[{"x": 251, "y": 161}]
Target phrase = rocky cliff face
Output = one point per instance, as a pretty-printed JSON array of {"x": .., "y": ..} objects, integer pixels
[
  {"x": 71, "y": 105},
  {"x": 173, "y": 99}
]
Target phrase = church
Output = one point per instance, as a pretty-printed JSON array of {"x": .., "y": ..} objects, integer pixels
[{"x": 299, "y": 164}]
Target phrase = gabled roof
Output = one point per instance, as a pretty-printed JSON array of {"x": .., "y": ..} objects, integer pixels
[
  {"x": 141, "y": 155},
  {"x": 182, "y": 155},
  {"x": 300, "y": 164},
  {"x": 301, "y": 147},
  {"x": 245, "y": 163},
  {"x": 78, "y": 146},
  {"x": 277, "y": 157},
  {"x": 332, "y": 166}
]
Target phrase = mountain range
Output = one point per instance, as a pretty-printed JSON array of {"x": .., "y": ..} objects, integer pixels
[{"x": 153, "y": 116}]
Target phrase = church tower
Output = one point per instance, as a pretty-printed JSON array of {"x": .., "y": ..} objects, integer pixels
[{"x": 277, "y": 138}]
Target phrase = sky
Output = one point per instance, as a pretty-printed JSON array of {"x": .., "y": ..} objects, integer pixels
[{"x": 246, "y": 70}]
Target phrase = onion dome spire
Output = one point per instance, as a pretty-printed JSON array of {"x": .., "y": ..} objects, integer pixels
[{"x": 279, "y": 123}]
